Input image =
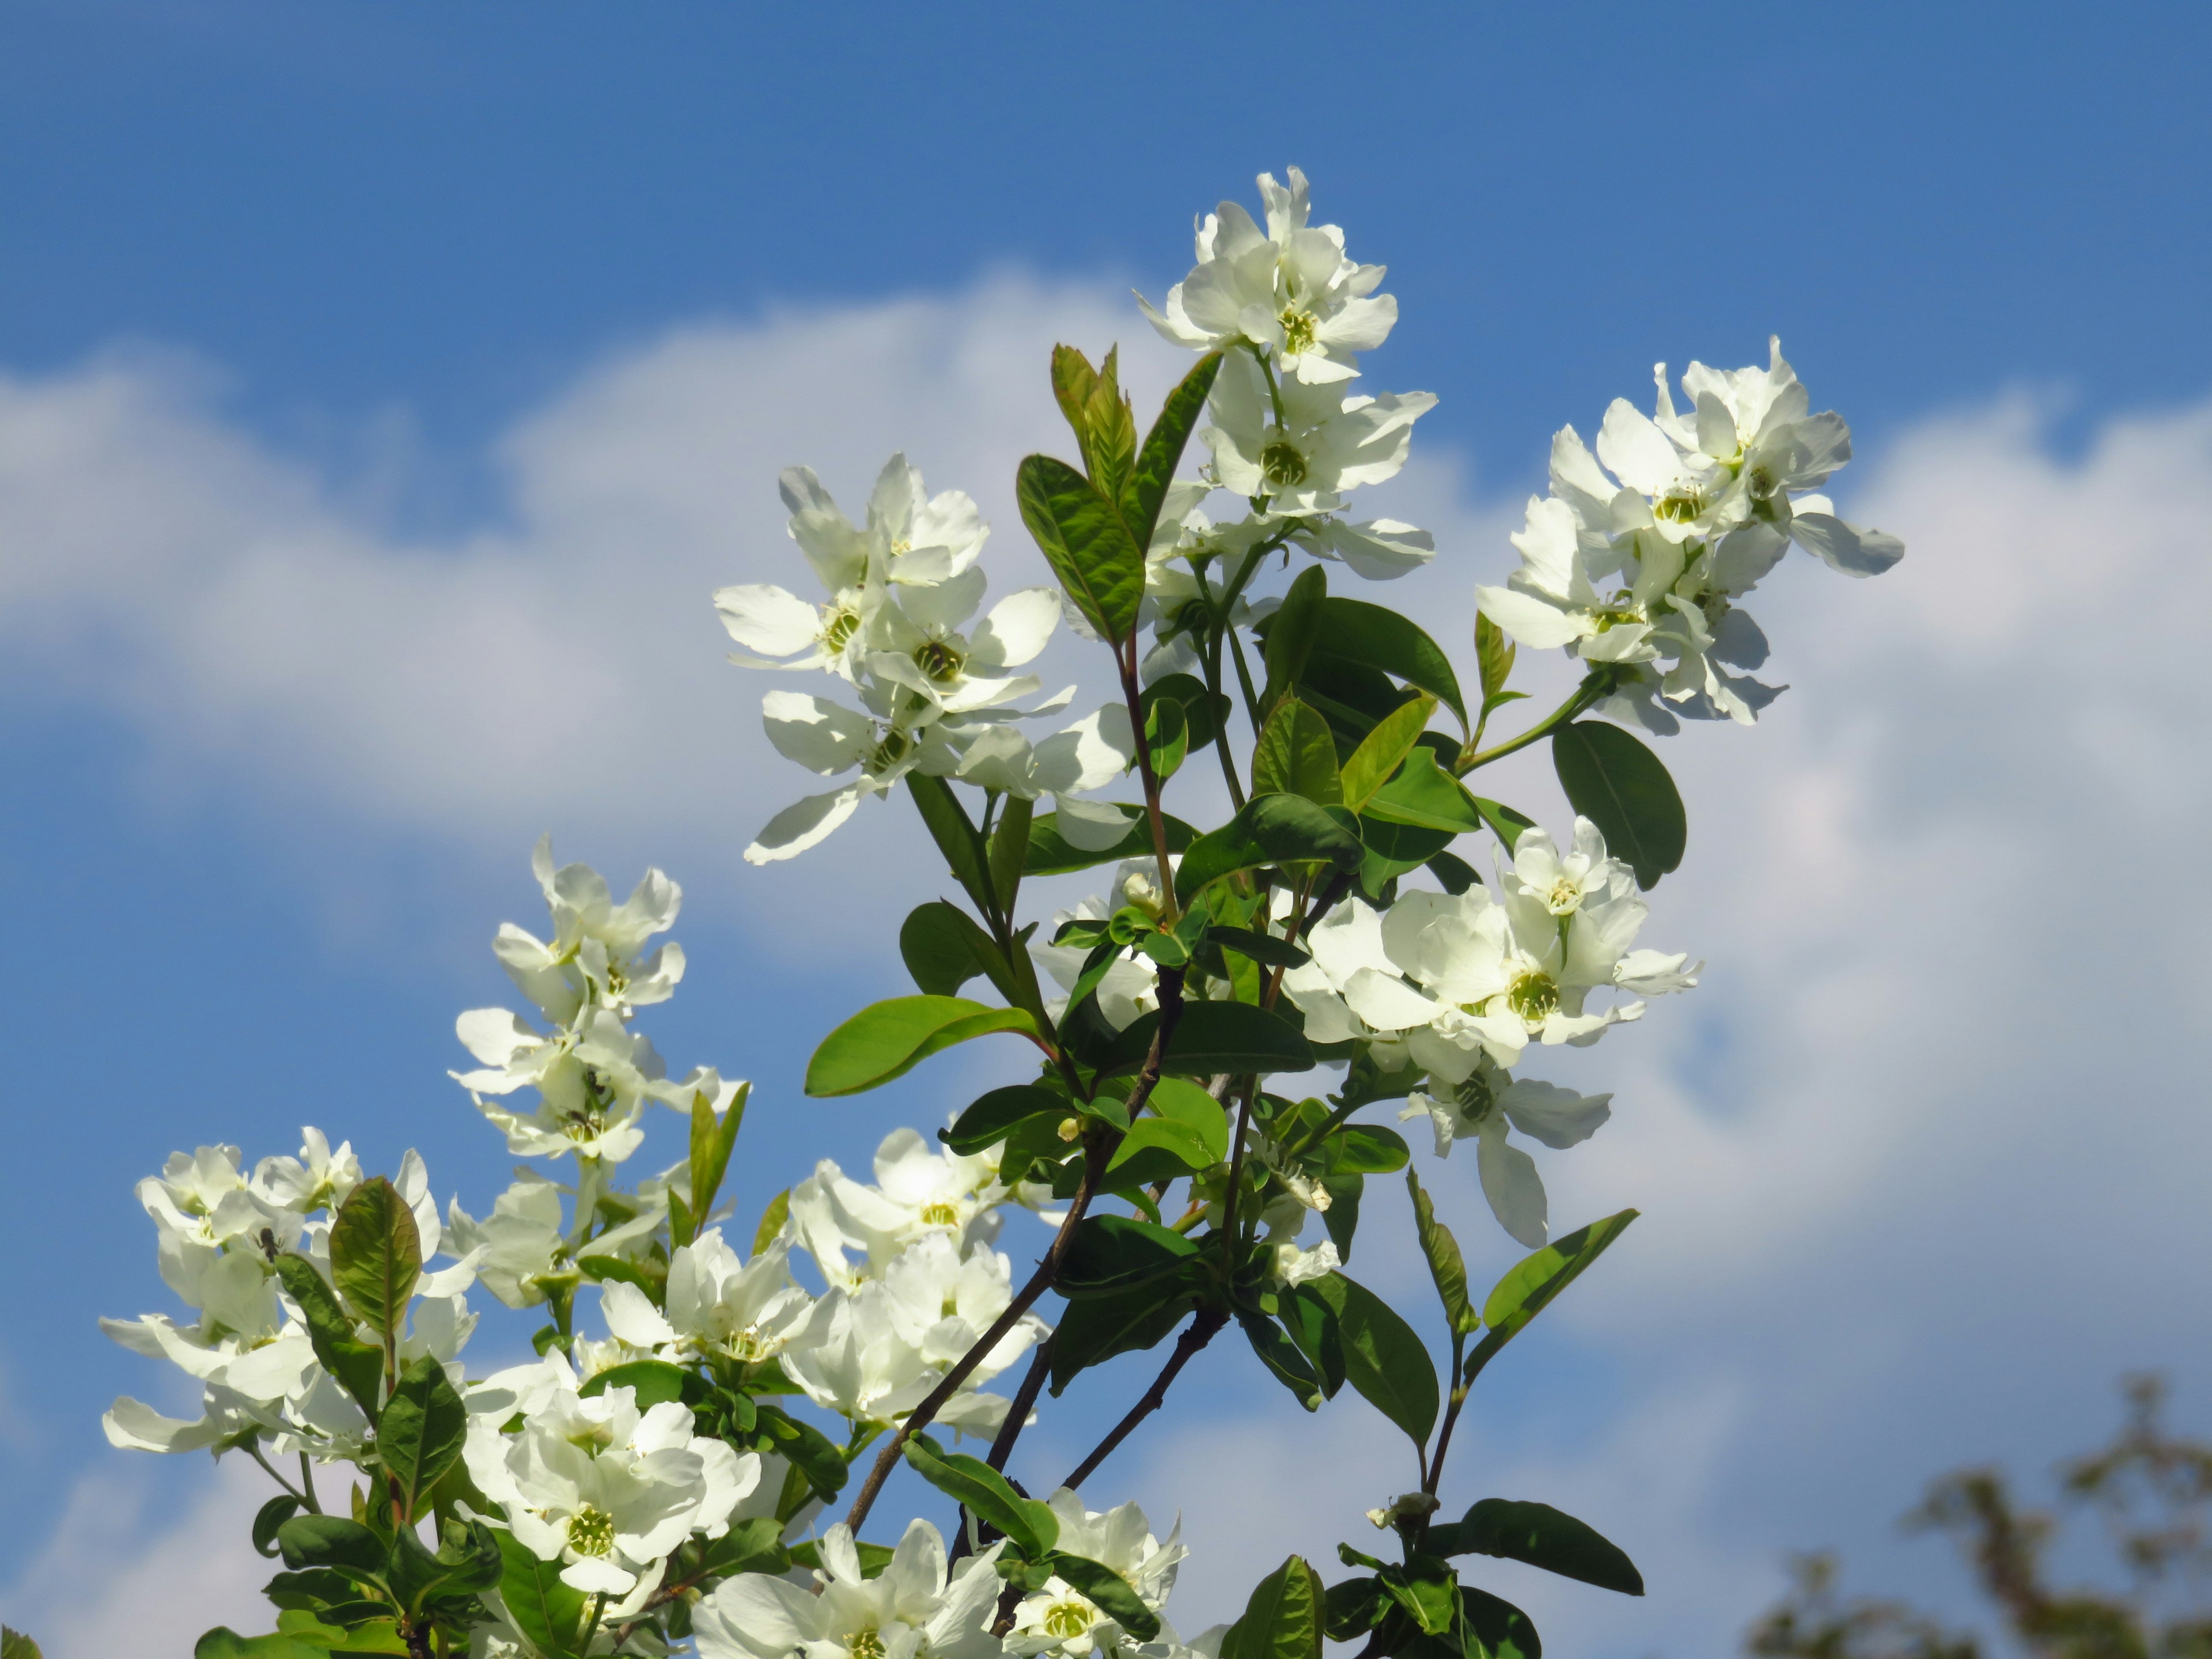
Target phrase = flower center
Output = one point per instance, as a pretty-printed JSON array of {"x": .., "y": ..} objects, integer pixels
[
  {"x": 1066, "y": 1619},
  {"x": 1680, "y": 505},
  {"x": 1282, "y": 465},
  {"x": 864, "y": 1645},
  {"x": 1623, "y": 609},
  {"x": 1298, "y": 331},
  {"x": 748, "y": 1344},
  {"x": 837, "y": 632},
  {"x": 1534, "y": 997},
  {"x": 591, "y": 1531},
  {"x": 1476, "y": 1096},
  {"x": 1563, "y": 897},
  {"x": 938, "y": 662},
  {"x": 939, "y": 1214},
  {"x": 894, "y": 747}
]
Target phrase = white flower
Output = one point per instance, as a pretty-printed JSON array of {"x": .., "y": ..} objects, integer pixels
[
  {"x": 867, "y": 1365},
  {"x": 913, "y": 1609},
  {"x": 1288, "y": 1264},
  {"x": 594, "y": 1078},
  {"x": 319, "y": 1179},
  {"x": 607, "y": 1490},
  {"x": 1289, "y": 290},
  {"x": 1482, "y": 1105},
  {"x": 1060, "y": 1619},
  {"x": 918, "y": 1191},
  {"x": 594, "y": 956},
  {"x": 914, "y": 641},
  {"x": 717, "y": 1305},
  {"x": 1322, "y": 445},
  {"x": 1086, "y": 755}
]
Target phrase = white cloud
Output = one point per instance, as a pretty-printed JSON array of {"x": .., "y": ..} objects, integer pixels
[{"x": 1922, "y": 1162}]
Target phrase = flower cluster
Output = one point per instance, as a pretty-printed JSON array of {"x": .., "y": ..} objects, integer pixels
[
  {"x": 1639, "y": 555},
  {"x": 937, "y": 689}
]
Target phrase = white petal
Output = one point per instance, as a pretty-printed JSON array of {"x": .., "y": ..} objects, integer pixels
[
  {"x": 798, "y": 827},
  {"x": 1017, "y": 627},
  {"x": 1386, "y": 1002},
  {"x": 632, "y": 1318},
  {"x": 1092, "y": 826},
  {"x": 767, "y": 619},
  {"x": 1558, "y": 1117},
  {"x": 822, "y": 736},
  {"x": 1511, "y": 1184},
  {"x": 1846, "y": 547}
]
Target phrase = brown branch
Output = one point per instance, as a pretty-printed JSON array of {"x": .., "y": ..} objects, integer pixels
[{"x": 1196, "y": 1334}]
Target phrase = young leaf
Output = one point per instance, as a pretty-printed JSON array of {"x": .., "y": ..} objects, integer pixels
[
  {"x": 1382, "y": 751},
  {"x": 1190, "y": 1106},
  {"x": 1203, "y": 711},
  {"x": 1292, "y": 633},
  {"x": 1148, "y": 484},
  {"x": 1111, "y": 1592},
  {"x": 1049, "y": 854},
  {"x": 1164, "y": 1146},
  {"x": 1109, "y": 431},
  {"x": 1010, "y": 846},
  {"x": 419, "y": 1436},
  {"x": 1425, "y": 796},
  {"x": 1081, "y": 533},
  {"x": 1623, "y": 787},
  {"x": 1543, "y": 1537},
  {"x": 1384, "y": 1358},
  {"x": 1167, "y": 737},
  {"x": 943, "y": 948},
  {"x": 1447, "y": 1266},
  {"x": 1270, "y": 829},
  {"x": 267, "y": 1519},
  {"x": 1373, "y": 637},
  {"x": 955, "y": 834},
  {"x": 1212, "y": 1037},
  {"x": 1282, "y": 1619},
  {"x": 772, "y": 1220},
  {"x": 985, "y": 1492},
  {"x": 1296, "y": 756},
  {"x": 1528, "y": 1288},
  {"x": 1073, "y": 379},
  {"x": 358, "y": 1367},
  {"x": 376, "y": 1254},
  {"x": 13, "y": 1645},
  {"x": 1493, "y": 654},
  {"x": 889, "y": 1039},
  {"x": 544, "y": 1609},
  {"x": 713, "y": 1139}
]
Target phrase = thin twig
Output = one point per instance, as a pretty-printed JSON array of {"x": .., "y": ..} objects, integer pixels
[
  {"x": 1002, "y": 1447},
  {"x": 1196, "y": 1334}
]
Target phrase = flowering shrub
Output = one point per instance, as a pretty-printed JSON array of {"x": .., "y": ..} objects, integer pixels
[{"x": 696, "y": 1453}]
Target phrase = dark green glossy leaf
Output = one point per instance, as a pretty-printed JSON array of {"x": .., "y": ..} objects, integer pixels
[
  {"x": 1161, "y": 1144},
  {"x": 223, "y": 1643},
  {"x": 268, "y": 1518},
  {"x": 1271, "y": 830},
  {"x": 1085, "y": 541},
  {"x": 1541, "y": 1536},
  {"x": 329, "y": 1541},
  {"x": 1167, "y": 736},
  {"x": 1504, "y": 823},
  {"x": 1495, "y": 1629},
  {"x": 1530, "y": 1287},
  {"x": 1093, "y": 1329},
  {"x": 1282, "y": 1619},
  {"x": 1190, "y": 1106},
  {"x": 1622, "y": 787},
  {"x": 545, "y": 1610},
  {"x": 1282, "y": 1359},
  {"x": 1425, "y": 796},
  {"x": 986, "y": 1494},
  {"x": 889, "y": 1039},
  {"x": 1384, "y": 1358},
  {"x": 1203, "y": 711},
  {"x": 1342, "y": 1219},
  {"x": 376, "y": 1254},
  {"x": 1049, "y": 854},
  {"x": 1367, "y": 1149},
  {"x": 955, "y": 834},
  {"x": 1353, "y": 1607},
  {"x": 1213, "y": 1038},
  {"x": 1109, "y": 1592},
  {"x": 1264, "y": 948},
  {"x": 1296, "y": 756},
  {"x": 1376, "y": 637},
  {"x": 1447, "y": 1266},
  {"x": 991, "y": 1116},
  {"x": 1292, "y": 633},
  {"x": 1111, "y": 1254},
  {"x": 1009, "y": 849},
  {"x": 420, "y": 1434},
  {"x": 1147, "y": 489},
  {"x": 1310, "y": 1323},
  {"x": 358, "y": 1367},
  {"x": 653, "y": 1381},
  {"x": 1453, "y": 873},
  {"x": 943, "y": 947}
]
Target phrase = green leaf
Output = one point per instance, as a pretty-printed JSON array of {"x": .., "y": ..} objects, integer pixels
[
  {"x": 1203, "y": 711},
  {"x": 1296, "y": 756},
  {"x": 1211, "y": 1038},
  {"x": 955, "y": 834},
  {"x": 655, "y": 1381},
  {"x": 1367, "y": 1149},
  {"x": 751, "y": 1546},
  {"x": 1504, "y": 823},
  {"x": 1384, "y": 1358},
  {"x": 816, "y": 1455},
  {"x": 1292, "y": 634},
  {"x": 1283, "y": 1358},
  {"x": 419, "y": 1436},
  {"x": 1374, "y": 637},
  {"x": 1093, "y": 1329},
  {"x": 1050, "y": 855},
  {"x": 1111, "y": 1592},
  {"x": 1393, "y": 849},
  {"x": 1085, "y": 541},
  {"x": 889, "y": 1039},
  {"x": 1282, "y": 1619},
  {"x": 1010, "y": 846},
  {"x": 13, "y": 1645},
  {"x": 943, "y": 948},
  {"x": 1264, "y": 948},
  {"x": 1447, "y": 1266},
  {"x": 1382, "y": 751},
  {"x": 1311, "y": 1325},
  {"x": 991, "y": 1116},
  {"x": 266, "y": 1520},
  {"x": 1342, "y": 1219},
  {"x": 713, "y": 1139},
  {"x": 223, "y": 1643},
  {"x": 545, "y": 1610},
  {"x": 1104, "y": 426},
  {"x": 1622, "y": 787},
  {"x": 1528, "y": 1288},
  {"x": 1073, "y": 381},
  {"x": 1493, "y": 654},
  {"x": 1187, "y": 1104},
  {"x": 358, "y": 1367},
  {"x": 1111, "y": 1254},
  {"x": 330, "y": 1540},
  {"x": 772, "y": 1220},
  {"x": 1541, "y": 1536},
  {"x": 986, "y": 1494},
  {"x": 376, "y": 1255},
  {"x": 1163, "y": 1145},
  {"x": 1167, "y": 736},
  {"x": 1270, "y": 829},
  {"x": 1353, "y": 1607},
  {"x": 1495, "y": 1629},
  {"x": 1431, "y": 1597},
  {"x": 1147, "y": 489},
  {"x": 1423, "y": 795},
  {"x": 1453, "y": 873}
]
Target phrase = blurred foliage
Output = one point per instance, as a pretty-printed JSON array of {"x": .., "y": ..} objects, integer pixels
[{"x": 2148, "y": 1490}]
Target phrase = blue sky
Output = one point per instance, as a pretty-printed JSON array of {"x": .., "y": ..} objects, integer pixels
[{"x": 322, "y": 327}]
